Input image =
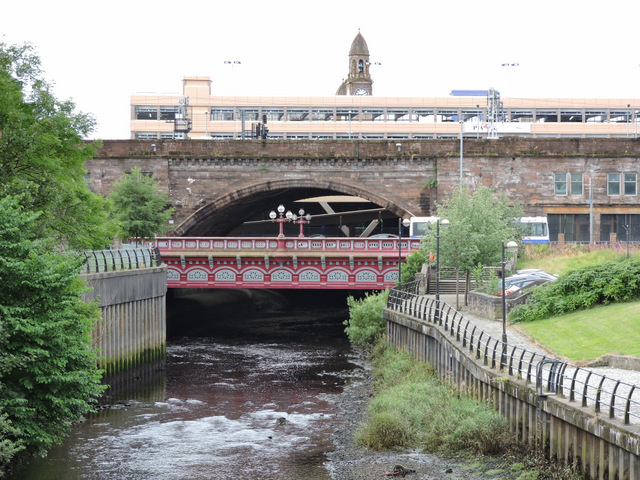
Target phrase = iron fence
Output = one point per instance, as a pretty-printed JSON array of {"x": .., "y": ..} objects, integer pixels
[
  {"x": 121, "y": 259},
  {"x": 620, "y": 400}
]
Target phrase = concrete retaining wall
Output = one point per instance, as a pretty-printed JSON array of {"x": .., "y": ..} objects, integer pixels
[
  {"x": 490, "y": 306},
  {"x": 598, "y": 447},
  {"x": 133, "y": 310}
]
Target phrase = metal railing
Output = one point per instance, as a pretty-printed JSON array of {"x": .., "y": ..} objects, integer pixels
[
  {"x": 121, "y": 259},
  {"x": 620, "y": 400},
  {"x": 209, "y": 245}
]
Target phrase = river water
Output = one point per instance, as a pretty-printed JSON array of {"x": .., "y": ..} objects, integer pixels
[{"x": 245, "y": 393}]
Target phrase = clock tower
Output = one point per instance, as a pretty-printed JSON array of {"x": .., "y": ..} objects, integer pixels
[{"x": 359, "y": 80}]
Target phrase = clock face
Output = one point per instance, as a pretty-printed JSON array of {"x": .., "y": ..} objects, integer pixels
[{"x": 361, "y": 91}]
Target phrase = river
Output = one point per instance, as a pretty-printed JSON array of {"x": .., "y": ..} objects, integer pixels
[
  {"x": 245, "y": 393},
  {"x": 251, "y": 389}
]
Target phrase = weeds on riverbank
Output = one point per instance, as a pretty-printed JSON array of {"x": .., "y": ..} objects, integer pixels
[{"x": 413, "y": 408}]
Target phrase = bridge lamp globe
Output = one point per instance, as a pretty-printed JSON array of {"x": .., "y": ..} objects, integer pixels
[
  {"x": 289, "y": 215},
  {"x": 273, "y": 215},
  {"x": 301, "y": 214},
  {"x": 280, "y": 209}
]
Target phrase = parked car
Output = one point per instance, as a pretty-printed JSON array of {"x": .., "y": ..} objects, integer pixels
[
  {"x": 516, "y": 283},
  {"x": 538, "y": 273}
]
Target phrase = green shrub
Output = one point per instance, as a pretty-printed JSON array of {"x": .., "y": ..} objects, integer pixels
[
  {"x": 365, "y": 322},
  {"x": 601, "y": 284},
  {"x": 384, "y": 431},
  {"x": 413, "y": 408},
  {"x": 413, "y": 265}
]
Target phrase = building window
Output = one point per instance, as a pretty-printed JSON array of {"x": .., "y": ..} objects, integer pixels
[
  {"x": 297, "y": 114},
  {"x": 576, "y": 183},
  {"x": 360, "y": 66},
  {"x": 169, "y": 113},
  {"x": 221, "y": 114},
  {"x": 347, "y": 114},
  {"x": 575, "y": 227},
  {"x": 273, "y": 114},
  {"x": 146, "y": 113},
  {"x": 146, "y": 135},
  {"x": 630, "y": 184},
  {"x": 613, "y": 184},
  {"x": 249, "y": 114},
  {"x": 571, "y": 115},
  {"x": 322, "y": 114},
  {"x": 560, "y": 182},
  {"x": 397, "y": 114},
  {"x": 372, "y": 114}
]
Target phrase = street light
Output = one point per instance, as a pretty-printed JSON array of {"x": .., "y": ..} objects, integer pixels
[
  {"x": 406, "y": 223},
  {"x": 626, "y": 227},
  {"x": 281, "y": 218},
  {"x": 461, "y": 150},
  {"x": 510, "y": 246},
  {"x": 301, "y": 219},
  {"x": 438, "y": 222}
]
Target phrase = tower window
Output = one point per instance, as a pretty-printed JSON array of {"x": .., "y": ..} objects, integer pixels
[{"x": 360, "y": 66}]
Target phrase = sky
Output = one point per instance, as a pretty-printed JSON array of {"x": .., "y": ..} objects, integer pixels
[{"x": 99, "y": 53}]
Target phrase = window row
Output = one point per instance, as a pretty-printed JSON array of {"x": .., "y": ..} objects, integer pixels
[
  {"x": 567, "y": 183},
  {"x": 162, "y": 135},
  {"x": 388, "y": 114}
]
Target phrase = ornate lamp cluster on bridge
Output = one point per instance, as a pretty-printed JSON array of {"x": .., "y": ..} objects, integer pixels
[{"x": 282, "y": 217}]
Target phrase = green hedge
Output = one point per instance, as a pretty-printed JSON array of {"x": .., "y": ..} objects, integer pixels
[{"x": 602, "y": 284}]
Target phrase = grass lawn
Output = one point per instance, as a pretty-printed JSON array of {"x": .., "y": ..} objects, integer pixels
[{"x": 589, "y": 334}]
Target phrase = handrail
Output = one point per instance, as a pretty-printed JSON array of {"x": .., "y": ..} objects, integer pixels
[
  {"x": 97, "y": 261},
  {"x": 619, "y": 399}
]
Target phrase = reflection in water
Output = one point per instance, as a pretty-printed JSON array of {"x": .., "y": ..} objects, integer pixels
[{"x": 246, "y": 398}]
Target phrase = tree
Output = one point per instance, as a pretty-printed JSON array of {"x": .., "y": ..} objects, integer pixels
[
  {"x": 141, "y": 210},
  {"x": 479, "y": 222},
  {"x": 42, "y": 154},
  {"x": 48, "y": 373}
]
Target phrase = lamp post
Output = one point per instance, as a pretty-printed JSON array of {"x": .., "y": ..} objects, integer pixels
[
  {"x": 281, "y": 218},
  {"x": 503, "y": 360},
  {"x": 406, "y": 223},
  {"x": 301, "y": 219},
  {"x": 461, "y": 150},
  {"x": 626, "y": 228},
  {"x": 438, "y": 222}
]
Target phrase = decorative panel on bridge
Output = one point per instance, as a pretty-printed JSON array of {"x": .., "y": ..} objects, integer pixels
[{"x": 283, "y": 262}]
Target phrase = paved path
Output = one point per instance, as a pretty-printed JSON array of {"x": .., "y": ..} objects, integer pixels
[{"x": 516, "y": 338}]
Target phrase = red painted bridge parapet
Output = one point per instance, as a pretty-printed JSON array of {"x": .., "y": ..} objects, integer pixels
[{"x": 283, "y": 262}]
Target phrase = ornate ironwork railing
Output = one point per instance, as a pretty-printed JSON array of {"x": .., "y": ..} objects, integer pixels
[
  {"x": 620, "y": 400},
  {"x": 207, "y": 245},
  {"x": 121, "y": 259}
]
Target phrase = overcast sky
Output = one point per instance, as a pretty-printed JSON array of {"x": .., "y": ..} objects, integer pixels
[{"x": 99, "y": 53}]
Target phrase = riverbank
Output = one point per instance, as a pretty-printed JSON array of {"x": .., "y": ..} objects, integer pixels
[{"x": 352, "y": 462}]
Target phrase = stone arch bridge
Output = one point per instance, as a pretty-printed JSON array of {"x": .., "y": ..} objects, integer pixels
[
  {"x": 219, "y": 187},
  {"x": 216, "y": 192}
]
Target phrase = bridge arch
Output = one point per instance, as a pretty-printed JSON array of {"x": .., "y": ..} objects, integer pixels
[{"x": 230, "y": 208}]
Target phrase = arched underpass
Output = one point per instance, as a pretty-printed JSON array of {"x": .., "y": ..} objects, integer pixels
[{"x": 338, "y": 209}]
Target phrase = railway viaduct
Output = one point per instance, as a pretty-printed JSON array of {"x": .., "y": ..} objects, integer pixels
[{"x": 217, "y": 185}]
